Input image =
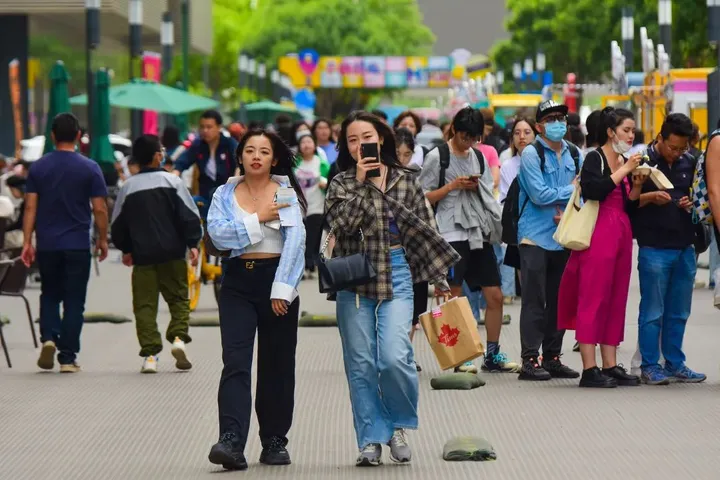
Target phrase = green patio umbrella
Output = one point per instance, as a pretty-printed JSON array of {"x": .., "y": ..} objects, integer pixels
[
  {"x": 102, "y": 150},
  {"x": 146, "y": 95},
  {"x": 266, "y": 111},
  {"x": 59, "y": 100}
]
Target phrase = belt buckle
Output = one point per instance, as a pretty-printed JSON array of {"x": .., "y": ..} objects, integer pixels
[{"x": 249, "y": 265}]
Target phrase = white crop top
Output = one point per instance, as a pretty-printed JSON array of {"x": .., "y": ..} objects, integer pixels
[{"x": 272, "y": 241}]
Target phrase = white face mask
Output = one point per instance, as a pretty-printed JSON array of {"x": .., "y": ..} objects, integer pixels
[{"x": 620, "y": 148}]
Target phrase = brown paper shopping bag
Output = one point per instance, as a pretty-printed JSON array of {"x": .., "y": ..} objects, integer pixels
[{"x": 451, "y": 330}]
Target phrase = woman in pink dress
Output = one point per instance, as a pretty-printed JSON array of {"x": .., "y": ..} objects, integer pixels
[{"x": 594, "y": 288}]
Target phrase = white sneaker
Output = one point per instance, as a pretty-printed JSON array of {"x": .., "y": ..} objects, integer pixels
[
  {"x": 149, "y": 364},
  {"x": 181, "y": 359},
  {"x": 467, "y": 367}
]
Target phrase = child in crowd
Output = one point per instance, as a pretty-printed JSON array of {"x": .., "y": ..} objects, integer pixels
[{"x": 154, "y": 223}]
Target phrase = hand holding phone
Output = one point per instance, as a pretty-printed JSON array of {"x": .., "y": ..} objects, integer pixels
[{"x": 369, "y": 164}]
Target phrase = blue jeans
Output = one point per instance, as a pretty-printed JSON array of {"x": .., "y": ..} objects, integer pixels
[
  {"x": 667, "y": 279},
  {"x": 379, "y": 360},
  {"x": 204, "y": 208},
  {"x": 714, "y": 257},
  {"x": 65, "y": 275}
]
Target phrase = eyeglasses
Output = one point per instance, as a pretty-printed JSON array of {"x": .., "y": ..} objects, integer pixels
[
  {"x": 678, "y": 150},
  {"x": 555, "y": 118}
]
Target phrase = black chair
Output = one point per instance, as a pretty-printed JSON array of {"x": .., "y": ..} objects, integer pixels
[
  {"x": 5, "y": 266},
  {"x": 13, "y": 284}
]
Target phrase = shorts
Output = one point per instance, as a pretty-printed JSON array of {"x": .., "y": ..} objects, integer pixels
[{"x": 478, "y": 268}]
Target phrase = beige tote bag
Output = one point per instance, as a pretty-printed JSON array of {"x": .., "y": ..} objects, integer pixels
[{"x": 577, "y": 222}]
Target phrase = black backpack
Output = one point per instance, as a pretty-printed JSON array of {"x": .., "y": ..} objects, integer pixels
[
  {"x": 511, "y": 205},
  {"x": 444, "y": 151}
]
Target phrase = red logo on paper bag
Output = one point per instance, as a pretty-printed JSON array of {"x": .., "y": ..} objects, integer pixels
[{"x": 448, "y": 336}]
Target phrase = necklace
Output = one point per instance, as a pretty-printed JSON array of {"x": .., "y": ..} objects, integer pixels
[{"x": 252, "y": 195}]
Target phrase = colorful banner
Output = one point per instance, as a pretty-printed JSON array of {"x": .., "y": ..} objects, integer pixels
[
  {"x": 151, "y": 69},
  {"x": 351, "y": 69},
  {"x": 396, "y": 72},
  {"x": 365, "y": 72},
  {"x": 374, "y": 72},
  {"x": 330, "y": 75},
  {"x": 417, "y": 72},
  {"x": 14, "y": 74}
]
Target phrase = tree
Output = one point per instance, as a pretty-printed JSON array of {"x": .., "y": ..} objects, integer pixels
[
  {"x": 332, "y": 27},
  {"x": 576, "y": 36}
]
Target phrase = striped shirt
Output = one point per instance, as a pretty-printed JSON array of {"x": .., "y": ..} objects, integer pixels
[{"x": 230, "y": 230}]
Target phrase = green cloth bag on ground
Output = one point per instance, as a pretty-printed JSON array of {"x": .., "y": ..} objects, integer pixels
[
  {"x": 475, "y": 449},
  {"x": 310, "y": 320},
  {"x": 457, "y": 381},
  {"x": 204, "y": 322}
]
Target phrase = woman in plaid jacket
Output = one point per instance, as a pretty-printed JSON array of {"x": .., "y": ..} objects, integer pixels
[{"x": 401, "y": 241}]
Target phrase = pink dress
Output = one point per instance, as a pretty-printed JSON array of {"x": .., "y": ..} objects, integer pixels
[{"x": 594, "y": 287}]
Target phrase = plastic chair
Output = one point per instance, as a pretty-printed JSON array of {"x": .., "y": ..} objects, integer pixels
[
  {"x": 5, "y": 266},
  {"x": 13, "y": 285}
]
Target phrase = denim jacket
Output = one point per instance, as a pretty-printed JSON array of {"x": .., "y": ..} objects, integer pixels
[{"x": 228, "y": 231}]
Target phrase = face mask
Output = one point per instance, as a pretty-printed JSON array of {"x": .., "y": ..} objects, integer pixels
[
  {"x": 620, "y": 148},
  {"x": 555, "y": 131}
]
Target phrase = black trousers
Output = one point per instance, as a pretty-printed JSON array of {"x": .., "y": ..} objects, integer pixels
[
  {"x": 313, "y": 233},
  {"x": 420, "y": 301},
  {"x": 245, "y": 307},
  {"x": 540, "y": 274}
]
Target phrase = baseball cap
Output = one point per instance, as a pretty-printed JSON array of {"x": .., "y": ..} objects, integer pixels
[{"x": 549, "y": 106}]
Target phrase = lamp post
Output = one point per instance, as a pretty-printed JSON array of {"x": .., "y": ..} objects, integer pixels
[
  {"x": 628, "y": 36},
  {"x": 243, "y": 62},
  {"x": 540, "y": 64},
  {"x": 713, "y": 83},
  {"x": 135, "y": 17},
  {"x": 528, "y": 70},
  {"x": 251, "y": 74},
  {"x": 275, "y": 79},
  {"x": 500, "y": 77},
  {"x": 262, "y": 80},
  {"x": 517, "y": 75},
  {"x": 167, "y": 40},
  {"x": 92, "y": 40},
  {"x": 665, "y": 22}
]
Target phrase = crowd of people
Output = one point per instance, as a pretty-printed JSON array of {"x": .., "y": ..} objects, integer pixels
[{"x": 473, "y": 215}]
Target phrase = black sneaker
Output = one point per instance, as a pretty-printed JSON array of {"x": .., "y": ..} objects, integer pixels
[
  {"x": 227, "y": 453},
  {"x": 594, "y": 378},
  {"x": 274, "y": 452},
  {"x": 531, "y": 370},
  {"x": 556, "y": 368},
  {"x": 623, "y": 378}
]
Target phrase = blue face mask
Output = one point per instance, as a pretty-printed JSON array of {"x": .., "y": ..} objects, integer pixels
[{"x": 555, "y": 131}]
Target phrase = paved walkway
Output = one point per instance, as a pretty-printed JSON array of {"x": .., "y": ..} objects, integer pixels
[{"x": 110, "y": 422}]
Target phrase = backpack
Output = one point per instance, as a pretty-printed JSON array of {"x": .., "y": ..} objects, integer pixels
[
  {"x": 444, "y": 151},
  {"x": 511, "y": 206},
  {"x": 701, "y": 212}
]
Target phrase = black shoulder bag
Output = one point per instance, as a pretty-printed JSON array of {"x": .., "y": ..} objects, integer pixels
[{"x": 341, "y": 273}]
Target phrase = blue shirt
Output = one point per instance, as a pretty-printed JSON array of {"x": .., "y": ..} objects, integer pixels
[
  {"x": 330, "y": 152},
  {"x": 64, "y": 183},
  {"x": 228, "y": 231},
  {"x": 547, "y": 189}
]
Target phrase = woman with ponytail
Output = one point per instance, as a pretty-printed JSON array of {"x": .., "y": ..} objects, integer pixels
[
  {"x": 594, "y": 287},
  {"x": 257, "y": 219}
]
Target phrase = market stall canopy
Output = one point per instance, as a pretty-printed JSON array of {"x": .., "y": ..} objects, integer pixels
[
  {"x": 266, "y": 111},
  {"x": 147, "y": 95}
]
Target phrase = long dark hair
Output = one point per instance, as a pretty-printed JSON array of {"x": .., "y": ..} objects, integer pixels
[
  {"x": 388, "y": 154},
  {"x": 403, "y": 136},
  {"x": 530, "y": 121},
  {"x": 281, "y": 152},
  {"x": 611, "y": 118}
]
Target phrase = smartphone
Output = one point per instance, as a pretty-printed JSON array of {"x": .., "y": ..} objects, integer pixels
[
  {"x": 474, "y": 176},
  {"x": 285, "y": 195},
  {"x": 370, "y": 150}
]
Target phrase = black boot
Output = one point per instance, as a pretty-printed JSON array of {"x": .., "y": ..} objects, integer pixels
[
  {"x": 274, "y": 452},
  {"x": 623, "y": 378},
  {"x": 556, "y": 368},
  {"x": 228, "y": 453},
  {"x": 594, "y": 378},
  {"x": 531, "y": 370}
]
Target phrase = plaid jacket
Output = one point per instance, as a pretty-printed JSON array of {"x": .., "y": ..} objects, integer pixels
[{"x": 351, "y": 206}]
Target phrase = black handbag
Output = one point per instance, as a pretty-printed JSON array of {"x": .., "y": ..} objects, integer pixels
[
  {"x": 702, "y": 238},
  {"x": 341, "y": 273}
]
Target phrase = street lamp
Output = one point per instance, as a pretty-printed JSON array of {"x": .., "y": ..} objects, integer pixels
[
  {"x": 275, "y": 79},
  {"x": 528, "y": 67},
  {"x": 643, "y": 49},
  {"x": 665, "y": 22},
  {"x": 651, "y": 54},
  {"x": 243, "y": 66},
  {"x": 92, "y": 40},
  {"x": 628, "y": 36},
  {"x": 251, "y": 73},
  {"x": 135, "y": 17},
  {"x": 262, "y": 80},
  {"x": 517, "y": 75},
  {"x": 540, "y": 64},
  {"x": 167, "y": 40},
  {"x": 500, "y": 77}
]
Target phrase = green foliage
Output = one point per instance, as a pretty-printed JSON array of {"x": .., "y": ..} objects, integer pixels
[{"x": 576, "y": 35}]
